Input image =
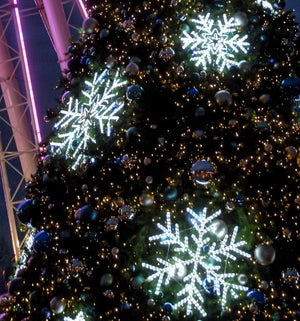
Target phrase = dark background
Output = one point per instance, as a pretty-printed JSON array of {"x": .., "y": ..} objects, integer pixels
[{"x": 45, "y": 73}]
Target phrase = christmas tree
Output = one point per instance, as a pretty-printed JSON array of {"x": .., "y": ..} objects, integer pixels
[{"x": 169, "y": 188}]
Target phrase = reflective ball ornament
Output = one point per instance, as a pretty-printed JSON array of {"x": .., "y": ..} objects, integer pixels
[
  {"x": 202, "y": 171},
  {"x": 291, "y": 276},
  {"x": 265, "y": 254},
  {"x": 89, "y": 25},
  {"x": 104, "y": 33},
  {"x": 168, "y": 308},
  {"x": 66, "y": 97},
  {"x": 134, "y": 92},
  {"x": 258, "y": 297},
  {"x": 106, "y": 279},
  {"x": 245, "y": 65},
  {"x": 57, "y": 306},
  {"x": 16, "y": 286},
  {"x": 41, "y": 241},
  {"x": 166, "y": 53},
  {"x": 241, "y": 18},
  {"x": 25, "y": 211},
  {"x": 86, "y": 214},
  {"x": 253, "y": 307},
  {"x": 192, "y": 93},
  {"x": 265, "y": 98},
  {"x": 146, "y": 199},
  {"x": 291, "y": 85},
  {"x": 223, "y": 97},
  {"x": 132, "y": 69},
  {"x": 243, "y": 279},
  {"x": 218, "y": 228},
  {"x": 111, "y": 224},
  {"x": 264, "y": 285}
]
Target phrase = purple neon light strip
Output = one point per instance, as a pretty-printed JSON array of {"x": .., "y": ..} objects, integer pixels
[
  {"x": 34, "y": 109},
  {"x": 83, "y": 8}
]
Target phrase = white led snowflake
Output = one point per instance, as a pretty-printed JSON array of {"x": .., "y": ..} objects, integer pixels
[
  {"x": 214, "y": 45},
  {"x": 99, "y": 108},
  {"x": 79, "y": 317},
  {"x": 201, "y": 265}
]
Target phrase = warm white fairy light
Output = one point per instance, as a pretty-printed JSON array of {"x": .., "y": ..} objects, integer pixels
[
  {"x": 199, "y": 266},
  {"x": 79, "y": 317},
  {"x": 214, "y": 44},
  {"x": 100, "y": 107}
]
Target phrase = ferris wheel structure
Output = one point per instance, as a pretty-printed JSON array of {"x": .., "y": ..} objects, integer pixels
[{"x": 20, "y": 133}]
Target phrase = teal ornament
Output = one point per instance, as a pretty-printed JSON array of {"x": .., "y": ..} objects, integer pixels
[
  {"x": 106, "y": 279},
  {"x": 134, "y": 93}
]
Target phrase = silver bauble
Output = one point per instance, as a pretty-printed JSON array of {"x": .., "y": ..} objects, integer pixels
[
  {"x": 57, "y": 306},
  {"x": 264, "y": 254},
  {"x": 89, "y": 25},
  {"x": 218, "y": 228},
  {"x": 243, "y": 279},
  {"x": 222, "y": 97}
]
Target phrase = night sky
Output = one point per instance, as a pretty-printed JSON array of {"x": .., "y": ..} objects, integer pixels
[{"x": 45, "y": 76}]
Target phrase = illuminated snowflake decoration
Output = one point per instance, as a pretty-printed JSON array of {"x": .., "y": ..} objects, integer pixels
[
  {"x": 266, "y": 5},
  {"x": 214, "y": 45},
  {"x": 99, "y": 107},
  {"x": 79, "y": 317},
  {"x": 200, "y": 263}
]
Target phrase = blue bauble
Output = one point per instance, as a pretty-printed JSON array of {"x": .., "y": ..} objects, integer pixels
[
  {"x": 159, "y": 22},
  {"x": 192, "y": 93},
  {"x": 41, "y": 241},
  {"x": 259, "y": 297},
  {"x": 209, "y": 286},
  {"x": 73, "y": 64},
  {"x": 291, "y": 85},
  {"x": 86, "y": 214},
  {"x": 46, "y": 313},
  {"x": 25, "y": 211},
  {"x": 168, "y": 308},
  {"x": 134, "y": 92},
  {"x": 125, "y": 306}
]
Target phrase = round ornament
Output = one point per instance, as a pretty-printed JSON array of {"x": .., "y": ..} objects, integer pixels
[
  {"x": 89, "y": 25},
  {"x": 109, "y": 294},
  {"x": 66, "y": 97},
  {"x": 223, "y": 97},
  {"x": 146, "y": 199},
  {"x": 134, "y": 92},
  {"x": 111, "y": 224},
  {"x": 291, "y": 152},
  {"x": 264, "y": 285},
  {"x": 104, "y": 33},
  {"x": 202, "y": 171},
  {"x": 291, "y": 85},
  {"x": 241, "y": 18},
  {"x": 218, "y": 228},
  {"x": 243, "y": 279},
  {"x": 149, "y": 180},
  {"x": 166, "y": 53},
  {"x": 253, "y": 307},
  {"x": 291, "y": 276},
  {"x": 57, "y": 306},
  {"x": 168, "y": 308},
  {"x": 16, "y": 286},
  {"x": 245, "y": 66},
  {"x": 86, "y": 214},
  {"x": 192, "y": 93},
  {"x": 132, "y": 68},
  {"x": 106, "y": 279},
  {"x": 126, "y": 213},
  {"x": 265, "y": 98},
  {"x": 25, "y": 211},
  {"x": 258, "y": 297},
  {"x": 264, "y": 254},
  {"x": 41, "y": 241}
]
